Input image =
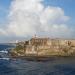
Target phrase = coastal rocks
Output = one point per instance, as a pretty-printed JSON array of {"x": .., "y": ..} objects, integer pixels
[{"x": 44, "y": 47}]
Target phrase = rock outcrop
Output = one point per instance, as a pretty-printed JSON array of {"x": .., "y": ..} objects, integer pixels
[{"x": 44, "y": 47}]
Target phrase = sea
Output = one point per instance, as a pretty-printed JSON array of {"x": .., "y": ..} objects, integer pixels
[{"x": 58, "y": 66}]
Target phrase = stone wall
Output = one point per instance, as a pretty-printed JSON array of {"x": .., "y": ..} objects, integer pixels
[{"x": 46, "y": 46}]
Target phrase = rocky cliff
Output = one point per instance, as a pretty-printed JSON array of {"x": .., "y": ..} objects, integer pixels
[{"x": 44, "y": 47}]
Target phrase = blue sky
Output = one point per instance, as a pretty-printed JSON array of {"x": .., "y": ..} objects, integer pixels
[
  {"x": 67, "y": 5},
  {"x": 4, "y": 8}
]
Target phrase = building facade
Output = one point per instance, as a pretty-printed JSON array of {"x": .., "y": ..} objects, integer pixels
[{"x": 41, "y": 46}]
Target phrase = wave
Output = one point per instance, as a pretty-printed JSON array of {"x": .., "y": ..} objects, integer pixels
[
  {"x": 4, "y": 58},
  {"x": 3, "y": 51}
]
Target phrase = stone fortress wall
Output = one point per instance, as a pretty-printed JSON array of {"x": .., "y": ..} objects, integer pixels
[{"x": 42, "y": 46}]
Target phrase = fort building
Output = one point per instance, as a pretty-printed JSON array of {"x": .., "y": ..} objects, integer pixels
[{"x": 42, "y": 46}]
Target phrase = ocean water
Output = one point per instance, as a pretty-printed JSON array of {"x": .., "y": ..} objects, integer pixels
[
  {"x": 58, "y": 66},
  {"x": 4, "y": 46}
]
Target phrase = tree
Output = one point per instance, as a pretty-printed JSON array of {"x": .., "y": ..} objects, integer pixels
[{"x": 19, "y": 47}]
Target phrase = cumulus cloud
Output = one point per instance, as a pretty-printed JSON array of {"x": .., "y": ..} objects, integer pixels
[
  {"x": 29, "y": 17},
  {"x": 2, "y": 32}
]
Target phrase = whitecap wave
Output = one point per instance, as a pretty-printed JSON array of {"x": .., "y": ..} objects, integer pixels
[
  {"x": 4, "y": 58},
  {"x": 3, "y": 51}
]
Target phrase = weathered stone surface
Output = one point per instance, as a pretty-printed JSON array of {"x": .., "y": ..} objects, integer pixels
[{"x": 45, "y": 46}]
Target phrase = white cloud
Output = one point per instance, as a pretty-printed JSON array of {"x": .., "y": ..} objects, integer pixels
[
  {"x": 3, "y": 32},
  {"x": 29, "y": 17}
]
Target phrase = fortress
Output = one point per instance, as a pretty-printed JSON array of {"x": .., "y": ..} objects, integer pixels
[{"x": 37, "y": 46}]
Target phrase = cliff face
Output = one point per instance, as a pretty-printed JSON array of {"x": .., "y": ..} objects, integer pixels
[{"x": 45, "y": 47}]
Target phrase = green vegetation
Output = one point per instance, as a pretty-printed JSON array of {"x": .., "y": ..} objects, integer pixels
[{"x": 18, "y": 47}]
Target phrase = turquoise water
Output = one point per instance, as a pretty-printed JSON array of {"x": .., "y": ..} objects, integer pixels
[{"x": 58, "y": 66}]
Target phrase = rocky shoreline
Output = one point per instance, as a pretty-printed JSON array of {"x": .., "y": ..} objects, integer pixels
[
  {"x": 43, "y": 48},
  {"x": 39, "y": 58}
]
